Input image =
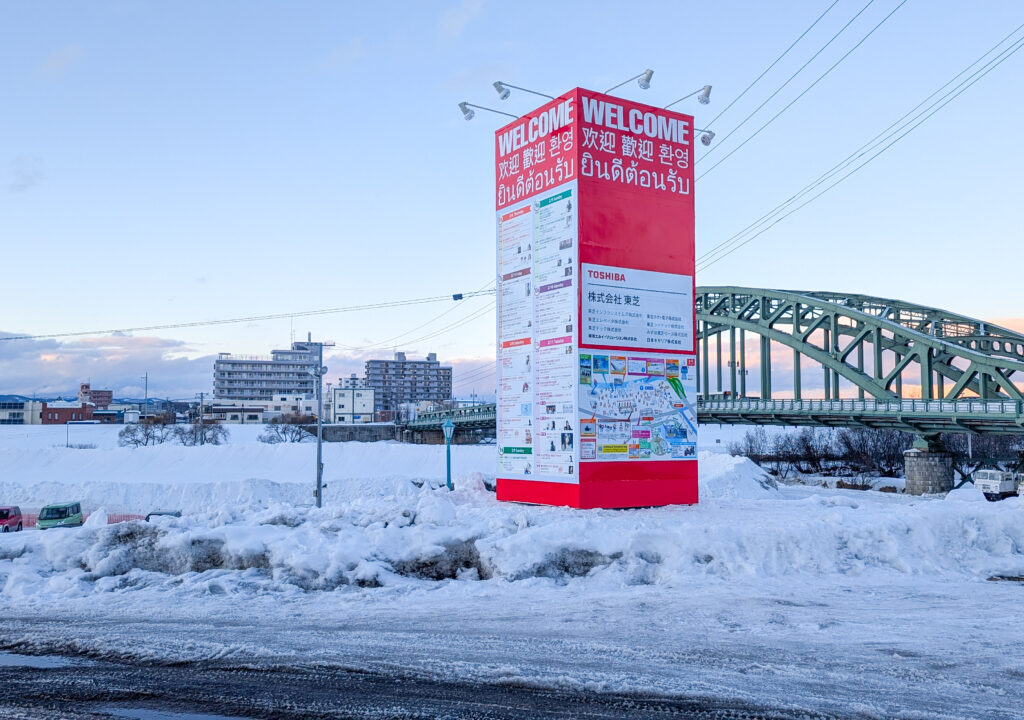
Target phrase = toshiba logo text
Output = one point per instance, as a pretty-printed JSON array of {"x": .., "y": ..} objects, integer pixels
[{"x": 603, "y": 275}]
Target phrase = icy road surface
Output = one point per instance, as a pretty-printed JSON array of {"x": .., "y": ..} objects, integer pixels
[{"x": 853, "y": 604}]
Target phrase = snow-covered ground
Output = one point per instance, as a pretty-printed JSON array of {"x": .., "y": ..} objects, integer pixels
[{"x": 855, "y": 602}]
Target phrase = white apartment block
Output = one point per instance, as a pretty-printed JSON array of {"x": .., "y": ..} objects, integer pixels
[{"x": 352, "y": 402}]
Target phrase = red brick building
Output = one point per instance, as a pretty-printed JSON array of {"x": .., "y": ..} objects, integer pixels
[{"x": 61, "y": 412}]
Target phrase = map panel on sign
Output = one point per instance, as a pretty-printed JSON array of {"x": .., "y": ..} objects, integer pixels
[{"x": 644, "y": 412}]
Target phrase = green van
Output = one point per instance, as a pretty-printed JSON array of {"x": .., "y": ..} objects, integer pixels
[{"x": 60, "y": 515}]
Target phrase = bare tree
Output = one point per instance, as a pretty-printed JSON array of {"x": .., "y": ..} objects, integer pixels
[
  {"x": 879, "y": 452},
  {"x": 1005, "y": 452},
  {"x": 207, "y": 433},
  {"x": 152, "y": 431},
  {"x": 288, "y": 429},
  {"x": 825, "y": 451}
]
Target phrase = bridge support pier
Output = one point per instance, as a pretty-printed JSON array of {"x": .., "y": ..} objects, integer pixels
[{"x": 928, "y": 467}]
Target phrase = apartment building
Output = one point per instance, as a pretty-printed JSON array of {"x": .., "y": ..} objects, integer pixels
[
  {"x": 100, "y": 399},
  {"x": 400, "y": 381},
  {"x": 259, "y": 378},
  {"x": 352, "y": 402}
]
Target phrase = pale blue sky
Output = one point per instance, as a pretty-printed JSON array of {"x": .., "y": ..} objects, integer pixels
[{"x": 170, "y": 162}]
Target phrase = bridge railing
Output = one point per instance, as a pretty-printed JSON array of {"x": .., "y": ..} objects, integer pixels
[
  {"x": 889, "y": 407},
  {"x": 474, "y": 413}
]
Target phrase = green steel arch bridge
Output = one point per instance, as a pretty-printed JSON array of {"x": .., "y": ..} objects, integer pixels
[{"x": 883, "y": 364}]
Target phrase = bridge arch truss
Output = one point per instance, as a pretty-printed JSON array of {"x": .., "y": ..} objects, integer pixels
[{"x": 866, "y": 348}]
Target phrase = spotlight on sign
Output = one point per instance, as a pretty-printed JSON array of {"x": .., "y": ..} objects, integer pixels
[
  {"x": 467, "y": 111},
  {"x": 705, "y": 96},
  {"x": 707, "y": 137},
  {"x": 503, "y": 92},
  {"x": 645, "y": 81}
]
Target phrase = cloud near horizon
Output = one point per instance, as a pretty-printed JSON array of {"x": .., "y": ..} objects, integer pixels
[{"x": 53, "y": 367}]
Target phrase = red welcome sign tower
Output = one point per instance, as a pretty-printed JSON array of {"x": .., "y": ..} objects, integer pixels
[{"x": 596, "y": 321}]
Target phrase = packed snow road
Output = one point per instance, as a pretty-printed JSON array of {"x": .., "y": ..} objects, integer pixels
[
  {"x": 793, "y": 599},
  {"x": 104, "y": 689},
  {"x": 850, "y": 649}
]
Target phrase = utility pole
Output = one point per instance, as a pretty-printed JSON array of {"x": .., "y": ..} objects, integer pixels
[
  {"x": 330, "y": 400},
  {"x": 319, "y": 373},
  {"x": 146, "y": 380},
  {"x": 202, "y": 437}
]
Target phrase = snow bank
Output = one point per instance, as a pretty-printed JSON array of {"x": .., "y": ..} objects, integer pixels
[
  {"x": 966, "y": 493},
  {"x": 388, "y": 522},
  {"x": 728, "y": 477},
  {"x": 401, "y": 530}
]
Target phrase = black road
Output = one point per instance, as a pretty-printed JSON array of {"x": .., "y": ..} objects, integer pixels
[{"x": 102, "y": 689}]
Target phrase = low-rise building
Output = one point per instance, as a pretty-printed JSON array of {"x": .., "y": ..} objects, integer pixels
[
  {"x": 21, "y": 412},
  {"x": 234, "y": 414},
  {"x": 284, "y": 405},
  {"x": 353, "y": 402},
  {"x": 61, "y": 412},
  {"x": 277, "y": 407}
]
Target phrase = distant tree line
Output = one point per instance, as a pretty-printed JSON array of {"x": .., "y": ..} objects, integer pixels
[
  {"x": 160, "y": 429},
  {"x": 864, "y": 451}
]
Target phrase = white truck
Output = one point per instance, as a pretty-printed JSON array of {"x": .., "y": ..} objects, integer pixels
[{"x": 998, "y": 484}]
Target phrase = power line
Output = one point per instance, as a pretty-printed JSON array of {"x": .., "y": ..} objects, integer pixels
[
  {"x": 807, "y": 90},
  {"x": 485, "y": 368},
  {"x": 767, "y": 69},
  {"x": 477, "y": 375},
  {"x": 1005, "y": 56},
  {"x": 253, "y": 318},
  {"x": 788, "y": 80},
  {"x": 457, "y": 324},
  {"x": 485, "y": 377},
  {"x": 862, "y": 150},
  {"x": 390, "y": 340}
]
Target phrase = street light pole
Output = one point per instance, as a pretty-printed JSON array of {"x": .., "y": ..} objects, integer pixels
[
  {"x": 319, "y": 373},
  {"x": 448, "y": 428},
  {"x": 202, "y": 437},
  {"x": 320, "y": 370}
]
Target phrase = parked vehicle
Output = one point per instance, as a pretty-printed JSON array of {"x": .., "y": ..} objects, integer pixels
[
  {"x": 997, "y": 484},
  {"x": 10, "y": 519},
  {"x": 60, "y": 515}
]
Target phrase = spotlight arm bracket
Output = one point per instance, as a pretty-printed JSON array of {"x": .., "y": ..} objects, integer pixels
[
  {"x": 695, "y": 92},
  {"x": 635, "y": 77},
  {"x": 516, "y": 87},
  {"x": 499, "y": 112}
]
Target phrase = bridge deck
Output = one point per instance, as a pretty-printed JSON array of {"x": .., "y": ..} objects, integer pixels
[{"x": 917, "y": 416}]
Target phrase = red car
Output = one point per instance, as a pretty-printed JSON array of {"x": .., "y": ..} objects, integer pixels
[{"x": 10, "y": 519}]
